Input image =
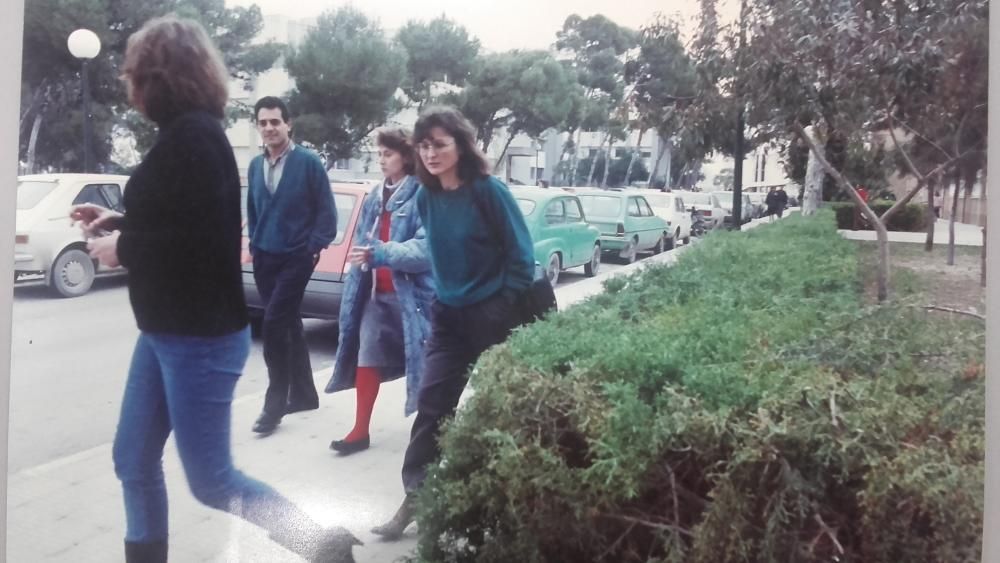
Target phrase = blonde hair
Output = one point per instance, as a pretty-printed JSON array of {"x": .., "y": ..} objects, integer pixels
[{"x": 173, "y": 67}]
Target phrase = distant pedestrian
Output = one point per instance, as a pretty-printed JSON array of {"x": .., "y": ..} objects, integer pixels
[
  {"x": 938, "y": 201},
  {"x": 542, "y": 183},
  {"x": 858, "y": 215},
  {"x": 771, "y": 201},
  {"x": 180, "y": 241},
  {"x": 291, "y": 218},
  {"x": 385, "y": 308},
  {"x": 482, "y": 257},
  {"x": 781, "y": 200}
]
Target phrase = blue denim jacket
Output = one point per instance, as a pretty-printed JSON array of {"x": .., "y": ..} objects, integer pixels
[{"x": 406, "y": 255}]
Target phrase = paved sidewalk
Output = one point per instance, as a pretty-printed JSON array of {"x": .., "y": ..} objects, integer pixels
[
  {"x": 965, "y": 234},
  {"x": 70, "y": 510}
]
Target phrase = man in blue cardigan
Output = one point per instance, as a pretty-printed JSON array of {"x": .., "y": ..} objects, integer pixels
[{"x": 291, "y": 218}]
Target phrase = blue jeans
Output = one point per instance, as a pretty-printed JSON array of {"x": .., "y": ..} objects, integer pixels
[{"x": 185, "y": 384}]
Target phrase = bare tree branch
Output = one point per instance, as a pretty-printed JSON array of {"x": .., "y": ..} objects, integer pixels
[{"x": 955, "y": 311}]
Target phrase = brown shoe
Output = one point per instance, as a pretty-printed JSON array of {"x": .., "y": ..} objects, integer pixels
[{"x": 393, "y": 529}]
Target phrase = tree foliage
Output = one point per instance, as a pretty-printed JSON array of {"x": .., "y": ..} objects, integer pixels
[
  {"x": 520, "y": 91},
  {"x": 51, "y": 82},
  {"x": 437, "y": 51},
  {"x": 346, "y": 74}
]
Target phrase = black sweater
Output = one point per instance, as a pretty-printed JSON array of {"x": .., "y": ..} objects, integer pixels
[{"x": 180, "y": 238}]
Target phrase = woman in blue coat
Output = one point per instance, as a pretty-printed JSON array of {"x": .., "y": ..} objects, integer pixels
[{"x": 385, "y": 309}]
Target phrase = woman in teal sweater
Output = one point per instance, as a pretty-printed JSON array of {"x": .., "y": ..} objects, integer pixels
[{"x": 481, "y": 257}]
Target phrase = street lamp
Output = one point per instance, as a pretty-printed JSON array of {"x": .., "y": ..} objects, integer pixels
[{"x": 85, "y": 45}]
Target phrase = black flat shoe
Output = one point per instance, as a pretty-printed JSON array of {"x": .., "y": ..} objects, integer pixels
[
  {"x": 266, "y": 424},
  {"x": 300, "y": 407},
  {"x": 347, "y": 448}
]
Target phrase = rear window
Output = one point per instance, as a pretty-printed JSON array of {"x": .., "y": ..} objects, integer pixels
[
  {"x": 659, "y": 200},
  {"x": 601, "y": 205},
  {"x": 345, "y": 208},
  {"x": 526, "y": 206},
  {"x": 29, "y": 193},
  {"x": 698, "y": 198}
]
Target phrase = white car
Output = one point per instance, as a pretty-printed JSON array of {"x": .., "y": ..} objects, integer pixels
[
  {"x": 707, "y": 205},
  {"x": 46, "y": 242},
  {"x": 670, "y": 206}
]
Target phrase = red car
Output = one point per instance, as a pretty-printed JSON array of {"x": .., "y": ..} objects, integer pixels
[{"x": 326, "y": 286}]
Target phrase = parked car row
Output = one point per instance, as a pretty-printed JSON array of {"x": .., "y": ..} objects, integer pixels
[{"x": 570, "y": 227}]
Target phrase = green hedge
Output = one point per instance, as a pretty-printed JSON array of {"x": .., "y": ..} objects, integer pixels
[
  {"x": 743, "y": 405},
  {"x": 912, "y": 217}
]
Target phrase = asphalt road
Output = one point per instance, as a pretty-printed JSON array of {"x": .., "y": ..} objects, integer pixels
[{"x": 70, "y": 358}]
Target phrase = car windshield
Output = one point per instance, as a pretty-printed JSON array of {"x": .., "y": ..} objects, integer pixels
[
  {"x": 659, "y": 200},
  {"x": 526, "y": 206},
  {"x": 601, "y": 205},
  {"x": 29, "y": 193},
  {"x": 697, "y": 198},
  {"x": 725, "y": 198}
]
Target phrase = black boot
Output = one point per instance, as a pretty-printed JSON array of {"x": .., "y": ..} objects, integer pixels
[
  {"x": 332, "y": 545},
  {"x": 146, "y": 552},
  {"x": 335, "y": 546},
  {"x": 393, "y": 529}
]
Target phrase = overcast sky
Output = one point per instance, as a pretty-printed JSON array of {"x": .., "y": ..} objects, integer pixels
[{"x": 498, "y": 24}]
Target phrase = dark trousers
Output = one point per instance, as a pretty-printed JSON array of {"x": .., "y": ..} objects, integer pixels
[
  {"x": 458, "y": 336},
  {"x": 281, "y": 280}
]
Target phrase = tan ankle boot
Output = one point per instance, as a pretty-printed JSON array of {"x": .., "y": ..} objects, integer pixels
[{"x": 393, "y": 529}]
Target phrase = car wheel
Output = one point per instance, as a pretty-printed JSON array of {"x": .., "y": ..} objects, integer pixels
[
  {"x": 555, "y": 266},
  {"x": 687, "y": 240},
  {"x": 72, "y": 273},
  {"x": 631, "y": 252},
  {"x": 660, "y": 245},
  {"x": 591, "y": 268}
]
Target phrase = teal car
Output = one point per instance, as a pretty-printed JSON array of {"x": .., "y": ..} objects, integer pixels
[
  {"x": 563, "y": 238},
  {"x": 627, "y": 223}
]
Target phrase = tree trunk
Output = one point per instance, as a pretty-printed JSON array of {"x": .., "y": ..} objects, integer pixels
[
  {"x": 496, "y": 167},
  {"x": 986, "y": 218},
  {"x": 33, "y": 140},
  {"x": 593, "y": 164},
  {"x": 607, "y": 162},
  {"x": 951, "y": 220},
  {"x": 659, "y": 157},
  {"x": 635, "y": 154},
  {"x": 965, "y": 202},
  {"x": 881, "y": 233},
  {"x": 814, "y": 178},
  {"x": 931, "y": 217},
  {"x": 560, "y": 175},
  {"x": 574, "y": 159},
  {"x": 882, "y": 277}
]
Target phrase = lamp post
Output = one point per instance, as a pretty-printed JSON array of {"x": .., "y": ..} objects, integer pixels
[{"x": 85, "y": 45}]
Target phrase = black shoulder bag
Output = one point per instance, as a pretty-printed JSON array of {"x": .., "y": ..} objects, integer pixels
[{"x": 539, "y": 299}]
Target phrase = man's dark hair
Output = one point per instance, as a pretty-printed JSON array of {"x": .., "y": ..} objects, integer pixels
[{"x": 271, "y": 102}]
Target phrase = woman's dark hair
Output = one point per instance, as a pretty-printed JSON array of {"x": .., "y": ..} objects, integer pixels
[
  {"x": 398, "y": 139},
  {"x": 472, "y": 163},
  {"x": 174, "y": 67}
]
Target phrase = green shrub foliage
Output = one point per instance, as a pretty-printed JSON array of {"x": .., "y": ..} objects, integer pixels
[
  {"x": 911, "y": 218},
  {"x": 744, "y": 405}
]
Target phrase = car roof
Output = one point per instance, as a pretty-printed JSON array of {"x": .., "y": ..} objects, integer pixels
[
  {"x": 72, "y": 177},
  {"x": 539, "y": 194}
]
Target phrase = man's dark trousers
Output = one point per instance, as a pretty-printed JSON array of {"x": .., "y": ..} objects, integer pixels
[
  {"x": 458, "y": 336},
  {"x": 281, "y": 281}
]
